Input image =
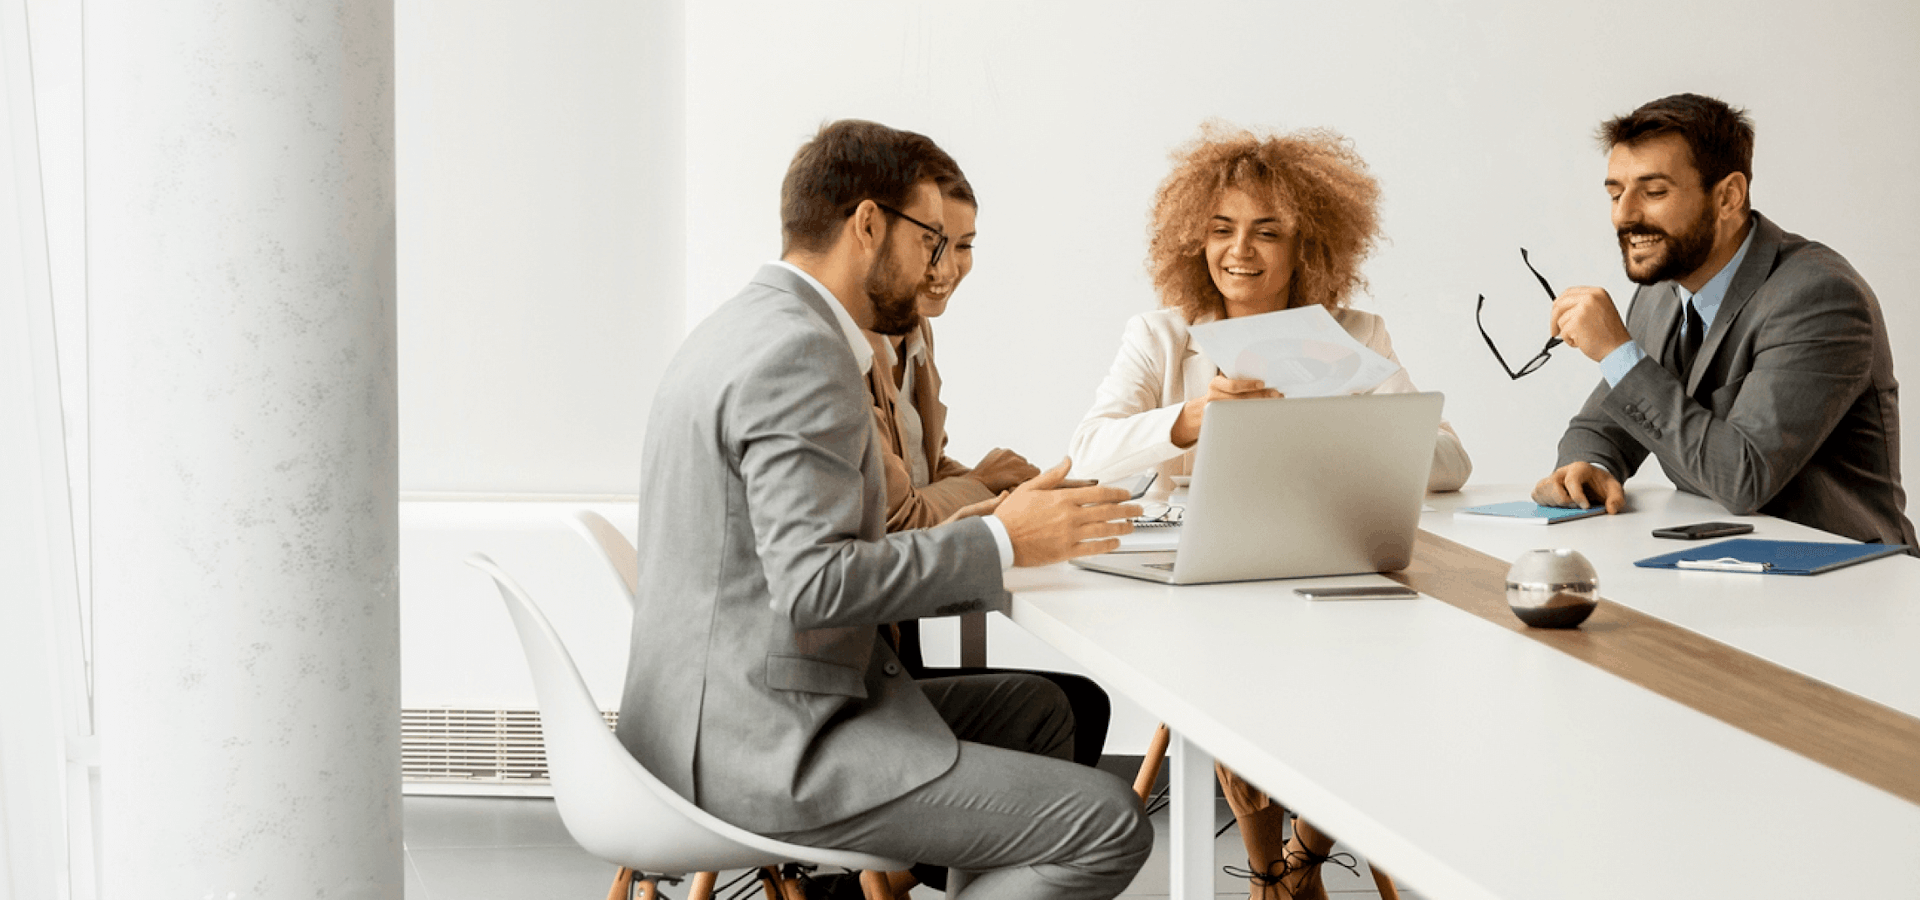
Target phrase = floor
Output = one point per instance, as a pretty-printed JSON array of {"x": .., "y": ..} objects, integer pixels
[{"x": 485, "y": 848}]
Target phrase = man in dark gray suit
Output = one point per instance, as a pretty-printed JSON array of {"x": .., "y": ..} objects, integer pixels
[
  {"x": 1753, "y": 362},
  {"x": 758, "y": 686}
]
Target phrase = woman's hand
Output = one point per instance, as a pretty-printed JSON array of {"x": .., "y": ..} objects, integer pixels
[
  {"x": 1002, "y": 469},
  {"x": 1186, "y": 428}
]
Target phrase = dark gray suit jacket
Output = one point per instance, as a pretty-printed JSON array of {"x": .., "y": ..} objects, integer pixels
[
  {"x": 1790, "y": 409},
  {"x": 758, "y": 686}
]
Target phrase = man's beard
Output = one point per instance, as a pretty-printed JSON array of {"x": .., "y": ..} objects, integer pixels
[
  {"x": 1680, "y": 255},
  {"x": 894, "y": 295}
]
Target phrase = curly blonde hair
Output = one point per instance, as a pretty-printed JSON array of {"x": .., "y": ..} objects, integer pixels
[{"x": 1319, "y": 185}]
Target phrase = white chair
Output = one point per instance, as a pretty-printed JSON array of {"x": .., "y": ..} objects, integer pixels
[
  {"x": 619, "y": 811},
  {"x": 614, "y": 548}
]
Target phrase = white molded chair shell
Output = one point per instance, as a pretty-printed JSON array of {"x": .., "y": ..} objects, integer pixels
[
  {"x": 612, "y": 805},
  {"x": 614, "y": 548}
]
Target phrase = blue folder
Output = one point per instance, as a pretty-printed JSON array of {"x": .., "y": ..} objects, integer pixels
[{"x": 1770, "y": 557}]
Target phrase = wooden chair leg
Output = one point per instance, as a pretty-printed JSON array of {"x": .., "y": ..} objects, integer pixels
[
  {"x": 1383, "y": 883},
  {"x": 622, "y": 884},
  {"x": 1150, "y": 764},
  {"x": 702, "y": 887},
  {"x": 900, "y": 883},
  {"x": 770, "y": 881}
]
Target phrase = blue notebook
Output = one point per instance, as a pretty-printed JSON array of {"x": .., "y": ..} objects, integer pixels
[
  {"x": 1770, "y": 557},
  {"x": 1525, "y": 512}
]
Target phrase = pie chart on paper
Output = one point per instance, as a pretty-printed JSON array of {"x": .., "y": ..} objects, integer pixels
[{"x": 1299, "y": 368}]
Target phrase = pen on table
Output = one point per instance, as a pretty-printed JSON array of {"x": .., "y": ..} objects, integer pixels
[{"x": 1723, "y": 564}]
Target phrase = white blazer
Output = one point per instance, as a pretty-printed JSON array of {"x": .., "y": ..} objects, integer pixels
[{"x": 1129, "y": 429}]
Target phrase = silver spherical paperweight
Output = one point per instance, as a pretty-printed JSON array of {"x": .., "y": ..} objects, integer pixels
[{"x": 1552, "y": 588}]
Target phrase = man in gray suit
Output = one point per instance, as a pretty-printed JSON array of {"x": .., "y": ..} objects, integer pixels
[
  {"x": 1753, "y": 362},
  {"x": 758, "y": 686}
]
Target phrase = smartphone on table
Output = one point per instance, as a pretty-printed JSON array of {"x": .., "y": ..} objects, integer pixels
[
  {"x": 1702, "y": 530},
  {"x": 1357, "y": 592}
]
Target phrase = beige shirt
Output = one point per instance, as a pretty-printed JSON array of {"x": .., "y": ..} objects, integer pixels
[{"x": 1130, "y": 427}]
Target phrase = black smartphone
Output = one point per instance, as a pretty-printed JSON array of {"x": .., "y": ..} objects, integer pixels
[
  {"x": 1700, "y": 530},
  {"x": 1357, "y": 592},
  {"x": 1138, "y": 488}
]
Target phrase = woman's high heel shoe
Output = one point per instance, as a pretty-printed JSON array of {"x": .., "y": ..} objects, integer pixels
[{"x": 1300, "y": 873}]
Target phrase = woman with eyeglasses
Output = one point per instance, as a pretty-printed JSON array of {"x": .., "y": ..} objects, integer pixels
[
  {"x": 1246, "y": 224},
  {"x": 925, "y": 486}
]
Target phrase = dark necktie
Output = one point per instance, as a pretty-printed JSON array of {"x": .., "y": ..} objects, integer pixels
[{"x": 1689, "y": 345}]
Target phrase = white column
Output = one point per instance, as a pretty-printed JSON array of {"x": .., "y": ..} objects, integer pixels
[{"x": 240, "y": 260}]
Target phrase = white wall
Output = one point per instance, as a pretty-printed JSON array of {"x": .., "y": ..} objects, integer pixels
[
  {"x": 1476, "y": 116},
  {"x": 540, "y": 242},
  {"x": 580, "y": 183}
]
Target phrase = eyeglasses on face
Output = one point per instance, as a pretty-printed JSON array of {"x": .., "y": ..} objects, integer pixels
[
  {"x": 1530, "y": 366},
  {"x": 939, "y": 245}
]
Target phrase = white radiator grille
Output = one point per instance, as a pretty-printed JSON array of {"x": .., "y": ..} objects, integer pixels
[{"x": 474, "y": 746}]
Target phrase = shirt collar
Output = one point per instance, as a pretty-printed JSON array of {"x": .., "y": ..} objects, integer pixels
[
  {"x": 914, "y": 347},
  {"x": 856, "y": 339},
  {"x": 1707, "y": 301}
]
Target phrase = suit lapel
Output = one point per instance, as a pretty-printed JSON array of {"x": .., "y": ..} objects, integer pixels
[
  {"x": 1663, "y": 311},
  {"x": 1196, "y": 369},
  {"x": 926, "y": 402},
  {"x": 1753, "y": 273}
]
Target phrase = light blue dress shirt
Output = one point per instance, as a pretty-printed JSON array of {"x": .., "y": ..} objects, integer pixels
[{"x": 1707, "y": 302}]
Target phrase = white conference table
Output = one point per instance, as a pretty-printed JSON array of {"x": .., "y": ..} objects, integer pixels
[{"x": 1470, "y": 760}]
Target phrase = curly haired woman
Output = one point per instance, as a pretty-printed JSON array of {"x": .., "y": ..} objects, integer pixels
[{"x": 1246, "y": 224}]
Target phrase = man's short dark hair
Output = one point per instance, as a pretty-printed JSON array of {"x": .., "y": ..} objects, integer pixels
[
  {"x": 849, "y": 161},
  {"x": 1719, "y": 136}
]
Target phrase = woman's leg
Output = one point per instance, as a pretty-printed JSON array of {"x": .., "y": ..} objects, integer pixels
[
  {"x": 1305, "y": 852},
  {"x": 1260, "y": 820}
]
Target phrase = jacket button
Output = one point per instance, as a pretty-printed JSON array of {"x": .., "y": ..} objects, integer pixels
[{"x": 891, "y": 668}]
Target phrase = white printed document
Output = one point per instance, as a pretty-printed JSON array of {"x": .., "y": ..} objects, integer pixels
[{"x": 1299, "y": 352}]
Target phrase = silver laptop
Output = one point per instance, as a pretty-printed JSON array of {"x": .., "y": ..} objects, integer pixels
[{"x": 1297, "y": 488}]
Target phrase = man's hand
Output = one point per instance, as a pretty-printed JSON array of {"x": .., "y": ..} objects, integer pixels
[
  {"x": 1048, "y": 523},
  {"x": 1186, "y": 429},
  {"x": 1001, "y": 469},
  {"x": 982, "y": 508},
  {"x": 1579, "y": 484},
  {"x": 1585, "y": 318}
]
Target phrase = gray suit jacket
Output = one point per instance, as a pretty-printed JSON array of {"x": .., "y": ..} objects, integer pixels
[
  {"x": 758, "y": 687},
  {"x": 1790, "y": 409}
]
